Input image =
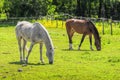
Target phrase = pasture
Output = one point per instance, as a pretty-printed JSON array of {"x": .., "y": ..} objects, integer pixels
[{"x": 76, "y": 64}]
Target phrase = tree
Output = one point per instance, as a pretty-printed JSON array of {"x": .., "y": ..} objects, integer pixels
[
  {"x": 1, "y": 6},
  {"x": 18, "y": 8},
  {"x": 85, "y": 8},
  {"x": 78, "y": 9}
]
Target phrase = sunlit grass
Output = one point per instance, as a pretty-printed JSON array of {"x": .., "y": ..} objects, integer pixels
[{"x": 68, "y": 65}]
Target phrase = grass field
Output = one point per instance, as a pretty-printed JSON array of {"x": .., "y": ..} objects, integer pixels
[{"x": 68, "y": 65}]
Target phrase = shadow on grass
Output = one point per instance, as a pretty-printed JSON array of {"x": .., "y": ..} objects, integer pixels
[
  {"x": 76, "y": 50},
  {"x": 6, "y": 53},
  {"x": 19, "y": 63}
]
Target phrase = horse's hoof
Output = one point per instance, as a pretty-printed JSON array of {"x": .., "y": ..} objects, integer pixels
[
  {"x": 78, "y": 48},
  {"x": 42, "y": 63},
  {"x": 21, "y": 61},
  {"x": 92, "y": 49},
  {"x": 24, "y": 65},
  {"x": 26, "y": 62},
  {"x": 70, "y": 48},
  {"x": 50, "y": 62}
]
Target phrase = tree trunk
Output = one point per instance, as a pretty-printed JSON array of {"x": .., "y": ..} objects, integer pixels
[
  {"x": 83, "y": 3},
  {"x": 100, "y": 8},
  {"x": 78, "y": 10},
  {"x": 89, "y": 8}
]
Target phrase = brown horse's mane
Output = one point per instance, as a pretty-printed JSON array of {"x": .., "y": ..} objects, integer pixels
[{"x": 94, "y": 29}]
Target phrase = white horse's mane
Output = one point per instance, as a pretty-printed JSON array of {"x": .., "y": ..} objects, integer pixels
[{"x": 46, "y": 34}]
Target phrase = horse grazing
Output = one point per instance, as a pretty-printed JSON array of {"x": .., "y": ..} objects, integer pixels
[
  {"x": 84, "y": 27},
  {"x": 34, "y": 33}
]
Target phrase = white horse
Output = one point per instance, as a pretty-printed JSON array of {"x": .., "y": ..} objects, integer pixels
[{"x": 35, "y": 33}]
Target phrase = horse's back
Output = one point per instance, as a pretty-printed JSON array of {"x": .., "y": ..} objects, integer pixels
[
  {"x": 80, "y": 26},
  {"x": 39, "y": 33},
  {"x": 31, "y": 32},
  {"x": 38, "y": 28},
  {"x": 23, "y": 29},
  {"x": 23, "y": 25}
]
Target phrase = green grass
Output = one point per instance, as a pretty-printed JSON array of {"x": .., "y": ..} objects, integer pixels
[{"x": 68, "y": 65}]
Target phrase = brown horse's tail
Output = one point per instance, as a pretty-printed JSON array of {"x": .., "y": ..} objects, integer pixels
[{"x": 93, "y": 28}]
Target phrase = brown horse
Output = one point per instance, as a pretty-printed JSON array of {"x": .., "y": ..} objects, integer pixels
[{"x": 85, "y": 27}]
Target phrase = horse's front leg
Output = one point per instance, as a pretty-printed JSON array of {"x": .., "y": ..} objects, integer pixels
[
  {"x": 29, "y": 51},
  {"x": 41, "y": 59},
  {"x": 90, "y": 38},
  {"x": 83, "y": 37}
]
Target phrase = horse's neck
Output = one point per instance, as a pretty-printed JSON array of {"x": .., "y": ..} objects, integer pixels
[
  {"x": 94, "y": 31},
  {"x": 96, "y": 36},
  {"x": 48, "y": 43},
  {"x": 47, "y": 40}
]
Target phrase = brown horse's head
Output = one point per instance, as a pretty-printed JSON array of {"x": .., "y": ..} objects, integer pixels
[
  {"x": 98, "y": 44},
  {"x": 96, "y": 36}
]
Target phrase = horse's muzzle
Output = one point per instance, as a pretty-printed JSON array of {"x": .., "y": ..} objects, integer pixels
[
  {"x": 98, "y": 49},
  {"x": 50, "y": 62}
]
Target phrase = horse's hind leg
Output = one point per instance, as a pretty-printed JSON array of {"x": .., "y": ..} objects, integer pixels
[
  {"x": 70, "y": 33},
  {"x": 20, "y": 49},
  {"x": 29, "y": 51},
  {"x": 90, "y": 37},
  {"x": 70, "y": 42},
  {"x": 41, "y": 59},
  {"x": 83, "y": 37},
  {"x": 24, "y": 45}
]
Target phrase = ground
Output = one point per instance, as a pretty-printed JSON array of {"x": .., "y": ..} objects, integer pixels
[{"x": 74, "y": 64}]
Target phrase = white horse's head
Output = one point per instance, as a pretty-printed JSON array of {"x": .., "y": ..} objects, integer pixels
[{"x": 50, "y": 54}]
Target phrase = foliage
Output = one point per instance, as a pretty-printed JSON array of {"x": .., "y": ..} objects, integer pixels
[
  {"x": 18, "y": 8},
  {"x": 1, "y": 5},
  {"x": 2, "y": 13},
  {"x": 85, "y": 8},
  {"x": 51, "y": 9}
]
